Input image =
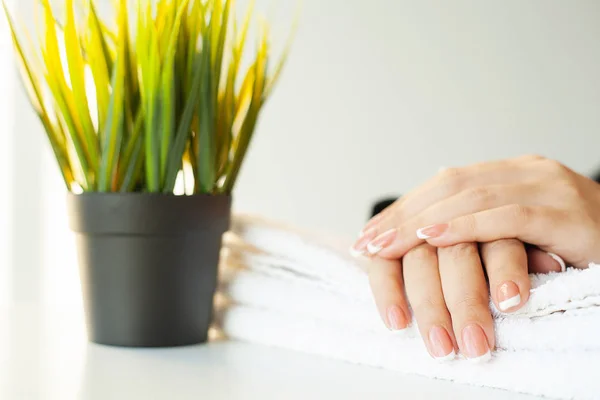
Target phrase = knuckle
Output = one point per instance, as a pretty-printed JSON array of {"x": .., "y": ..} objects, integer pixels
[
  {"x": 520, "y": 213},
  {"x": 568, "y": 190},
  {"x": 420, "y": 254},
  {"x": 480, "y": 196},
  {"x": 554, "y": 168},
  {"x": 533, "y": 157},
  {"x": 428, "y": 305},
  {"x": 459, "y": 251},
  {"x": 452, "y": 179},
  {"x": 500, "y": 245},
  {"x": 469, "y": 304}
]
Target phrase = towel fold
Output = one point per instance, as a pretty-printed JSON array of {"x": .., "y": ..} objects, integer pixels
[{"x": 292, "y": 289}]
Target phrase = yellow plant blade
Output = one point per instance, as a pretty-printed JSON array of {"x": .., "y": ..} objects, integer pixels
[
  {"x": 99, "y": 64},
  {"x": 103, "y": 33},
  {"x": 196, "y": 26},
  {"x": 245, "y": 94},
  {"x": 221, "y": 38},
  {"x": 113, "y": 135},
  {"x": 76, "y": 72},
  {"x": 242, "y": 140},
  {"x": 62, "y": 94},
  {"x": 35, "y": 96},
  {"x": 225, "y": 121}
]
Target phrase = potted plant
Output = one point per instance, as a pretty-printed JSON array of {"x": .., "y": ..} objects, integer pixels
[{"x": 134, "y": 107}]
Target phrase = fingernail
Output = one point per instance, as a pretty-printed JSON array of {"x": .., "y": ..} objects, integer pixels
[
  {"x": 442, "y": 348},
  {"x": 508, "y": 296},
  {"x": 381, "y": 241},
  {"x": 560, "y": 261},
  {"x": 432, "y": 231},
  {"x": 361, "y": 244},
  {"x": 476, "y": 347},
  {"x": 396, "y": 318}
]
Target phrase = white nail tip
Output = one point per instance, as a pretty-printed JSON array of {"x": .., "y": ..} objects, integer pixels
[
  {"x": 421, "y": 235},
  {"x": 560, "y": 261},
  {"x": 372, "y": 249},
  {"x": 355, "y": 253},
  {"x": 510, "y": 303},
  {"x": 481, "y": 359},
  {"x": 449, "y": 357}
]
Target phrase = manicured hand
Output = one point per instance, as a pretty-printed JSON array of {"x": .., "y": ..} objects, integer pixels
[
  {"x": 448, "y": 294},
  {"x": 533, "y": 199}
]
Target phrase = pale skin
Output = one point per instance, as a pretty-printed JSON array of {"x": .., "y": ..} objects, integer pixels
[{"x": 432, "y": 249}]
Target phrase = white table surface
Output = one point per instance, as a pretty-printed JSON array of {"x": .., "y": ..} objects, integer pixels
[{"x": 44, "y": 355}]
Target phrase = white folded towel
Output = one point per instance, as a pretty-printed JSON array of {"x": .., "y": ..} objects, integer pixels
[{"x": 292, "y": 289}]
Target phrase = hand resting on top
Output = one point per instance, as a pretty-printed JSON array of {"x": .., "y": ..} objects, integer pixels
[{"x": 502, "y": 219}]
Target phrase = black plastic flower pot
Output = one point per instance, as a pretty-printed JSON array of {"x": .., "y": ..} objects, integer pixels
[{"x": 148, "y": 265}]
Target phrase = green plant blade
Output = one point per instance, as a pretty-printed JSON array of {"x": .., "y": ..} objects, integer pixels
[
  {"x": 185, "y": 123},
  {"x": 152, "y": 111},
  {"x": 206, "y": 143},
  {"x": 76, "y": 72},
  {"x": 56, "y": 139},
  {"x": 63, "y": 97},
  {"x": 132, "y": 157},
  {"x": 242, "y": 140},
  {"x": 168, "y": 94},
  {"x": 113, "y": 134}
]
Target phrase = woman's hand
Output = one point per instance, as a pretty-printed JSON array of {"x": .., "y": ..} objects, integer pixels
[
  {"x": 534, "y": 199},
  {"x": 448, "y": 293}
]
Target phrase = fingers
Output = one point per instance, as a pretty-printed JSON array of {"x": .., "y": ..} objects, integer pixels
[
  {"x": 387, "y": 285},
  {"x": 424, "y": 291},
  {"x": 466, "y": 293},
  {"x": 506, "y": 265},
  {"x": 451, "y": 181},
  {"x": 391, "y": 237},
  {"x": 535, "y": 225}
]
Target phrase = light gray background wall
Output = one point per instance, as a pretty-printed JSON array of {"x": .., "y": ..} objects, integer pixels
[
  {"x": 379, "y": 94},
  {"x": 376, "y": 97}
]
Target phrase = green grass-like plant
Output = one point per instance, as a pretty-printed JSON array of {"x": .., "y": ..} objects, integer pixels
[{"x": 131, "y": 104}]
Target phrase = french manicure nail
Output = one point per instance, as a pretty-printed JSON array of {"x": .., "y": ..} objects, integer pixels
[
  {"x": 560, "y": 261},
  {"x": 476, "y": 347},
  {"x": 397, "y": 320},
  {"x": 381, "y": 241},
  {"x": 508, "y": 296},
  {"x": 432, "y": 231},
  {"x": 442, "y": 348},
  {"x": 360, "y": 246}
]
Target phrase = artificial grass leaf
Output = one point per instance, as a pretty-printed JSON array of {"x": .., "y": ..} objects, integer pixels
[
  {"x": 181, "y": 137},
  {"x": 152, "y": 111},
  {"x": 168, "y": 92},
  {"x": 113, "y": 134},
  {"x": 205, "y": 143},
  {"x": 242, "y": 140},
  {"x": 32, "y": 84},
  {"x": 166, "y": 98},
  {"x": 55, "y": 78},
  {"x": 100, "y": 64},
  {"x": 76, "y": 73}
]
